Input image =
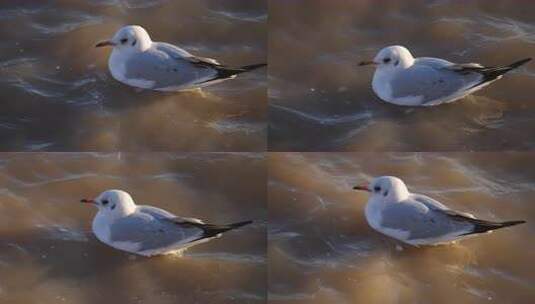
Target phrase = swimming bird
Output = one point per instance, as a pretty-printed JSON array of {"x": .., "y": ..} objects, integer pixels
[
  {"x": 416, "y": 219},
  {"x": 147, "y": 230},
  {"x": 404, "y": 80},
  {"x": 139, "y": 62}
]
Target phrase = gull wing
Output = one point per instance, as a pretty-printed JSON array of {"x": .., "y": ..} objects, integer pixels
[{"x": 148, "y": 232}]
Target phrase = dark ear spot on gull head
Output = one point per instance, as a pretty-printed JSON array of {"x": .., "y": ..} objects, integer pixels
[{"x": 132, "y": 36}]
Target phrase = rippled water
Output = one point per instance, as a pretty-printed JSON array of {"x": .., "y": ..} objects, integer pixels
[
  {"x": 49, "y": 255},
  {"x": 57, "y": 93},
  {"x": 320, "y": 100},
  {"x": 321, "y": 250}
]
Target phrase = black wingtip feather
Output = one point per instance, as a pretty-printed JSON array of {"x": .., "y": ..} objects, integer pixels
[
  {"x": 517, "y": 64},
  {"x": 253, "y": 66},
  {"x": 240, "y": 224},
  {"x": 224, "y": 72},
  {"x": 213, "y": 230},
  {"x": 512, "y": 223},
  {"x": 493, "y": 73},
  {"x": 481, "y": 226}
]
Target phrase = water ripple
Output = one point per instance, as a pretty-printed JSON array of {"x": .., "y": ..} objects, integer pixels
[
  {"x": 230, "y": 257},
  {"x": 78, "y": 20},
  {"x": 325, "y": 120},
  {"x": 242, "y": 16}
]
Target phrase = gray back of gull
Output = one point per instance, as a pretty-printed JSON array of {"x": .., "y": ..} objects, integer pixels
[{"x": 428, "y": 202}]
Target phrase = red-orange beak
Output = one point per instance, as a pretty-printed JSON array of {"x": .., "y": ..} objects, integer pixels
[
  {"x": 88, "y": 201},
  {"x": 370, "y": 62},
  {"x": 362, "y": 187},
  {"x": 105, "y": 43}
]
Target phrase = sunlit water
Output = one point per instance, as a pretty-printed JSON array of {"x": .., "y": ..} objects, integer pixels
[
  {"x": 320, "y": 100},
  {"x": 49, "y": 255},
  {"x": 321, "y": 250},
  {"x": 57, "y": 93}
]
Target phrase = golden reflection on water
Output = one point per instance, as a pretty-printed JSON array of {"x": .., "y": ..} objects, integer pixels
[
  {"x": 317, "y": 88},
  {"x": 323, "y": 251},
  {"x": 49, "y": 255},
  {"x": 59, "y": 95}
]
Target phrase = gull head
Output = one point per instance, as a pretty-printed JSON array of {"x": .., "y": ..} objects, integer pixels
[
  {"x": 391, "y": 58},
  {"x": 113, "y": 203},
  {"x": 385, "y": 188},
  {"x": 129, "y": 38}
]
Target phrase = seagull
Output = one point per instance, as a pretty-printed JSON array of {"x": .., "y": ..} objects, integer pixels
[
  {"x": 139, "y": 62},
  {"x": 147, "y": 230},
  {"x": 416, "y": 219},
  {"x": 404, "y": 80}
]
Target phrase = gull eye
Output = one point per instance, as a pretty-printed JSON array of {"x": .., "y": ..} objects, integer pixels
[
  {"x": 376, "y": 189},
  {"x": 105, "y": 202},
  {"x": 124, "y": 40},
  {"x": 386, "y": 60}
]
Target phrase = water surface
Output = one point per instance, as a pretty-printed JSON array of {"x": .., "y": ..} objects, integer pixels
[
  {"x": 49, "y": 255},
  {"x": 321, "y": 250},
  {"x": 57, "y": 94},
  {"x": 320, "y": 100}
]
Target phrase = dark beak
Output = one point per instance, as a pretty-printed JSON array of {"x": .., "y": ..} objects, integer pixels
[
  {"x": 105, "y": 43},
  {"x": 88, "y": 201},
  {"x": 362, "y": 187},
  {"x": 363, "y": 63}
]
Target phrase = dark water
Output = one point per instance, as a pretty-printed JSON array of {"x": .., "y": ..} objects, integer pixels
[
  {"x": 49, "y": 255},
  {"x": 320, "y": 100},
  {"x": 321, "y": 250},
  {"x": 57, "y": 93}
]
